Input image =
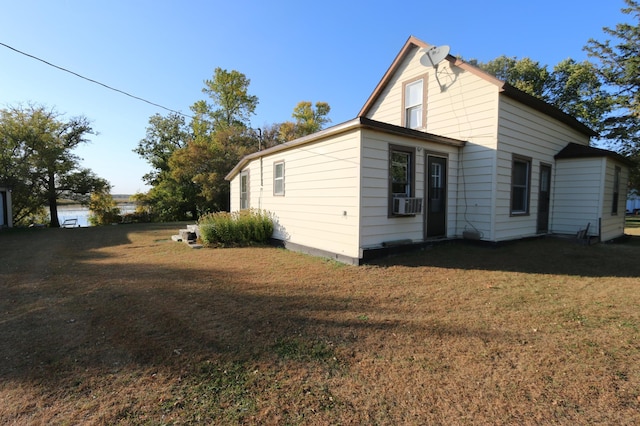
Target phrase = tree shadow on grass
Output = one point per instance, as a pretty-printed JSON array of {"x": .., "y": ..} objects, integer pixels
[
  {"x": 550, "y": 255},
  {"x": 97, "y": 323},
  {"x": 54, "y": 327},
  {"x": 147, "y": 330},
  {"x": 78, "y": 315}
]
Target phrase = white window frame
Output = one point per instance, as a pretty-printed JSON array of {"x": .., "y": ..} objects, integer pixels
[
  {"x": 414, "y": 106},
  {"x": 278, "y": 178},
  {"x": 244, "y": 195}
]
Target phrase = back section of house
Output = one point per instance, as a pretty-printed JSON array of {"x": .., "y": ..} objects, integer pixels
[{"x": 526, "y": 173}]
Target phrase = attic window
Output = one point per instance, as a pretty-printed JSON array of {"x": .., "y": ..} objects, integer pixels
[{"x": 414, "y": 113}]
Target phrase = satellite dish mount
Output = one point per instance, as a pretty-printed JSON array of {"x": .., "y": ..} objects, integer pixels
[{"x": 434, "y": 55}]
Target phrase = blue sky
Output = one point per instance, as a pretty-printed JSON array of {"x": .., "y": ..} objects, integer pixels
[{"x": 332, "y": 51}]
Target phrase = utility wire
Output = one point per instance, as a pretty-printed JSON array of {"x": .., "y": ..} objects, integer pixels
[{"x": 94, "y": 81}]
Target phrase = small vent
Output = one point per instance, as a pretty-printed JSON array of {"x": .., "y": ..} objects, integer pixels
[{"x": 407, "y": 206}]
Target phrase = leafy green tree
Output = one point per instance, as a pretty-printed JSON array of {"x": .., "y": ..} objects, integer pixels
[
  {"x": 168, "y": 199},
  {"x": 190, "y": 160},
  {"x": 164, "y": 136},
  {"x": 308, "y": 119},
  {"x": 207, "y": 160},
  {"x": 37, "y": 160},
  {"x": 103, "y": 208},
  {"x": 232, "y": 104},
  {"x": 220, "y": 137},
  {"x": 618, "y": 64},
  {"x": 524, "y": 74},
  {"x": 574, "y": 87}
]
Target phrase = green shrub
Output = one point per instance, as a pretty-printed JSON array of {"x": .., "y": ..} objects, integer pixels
[{"x": 238, "y": 228}]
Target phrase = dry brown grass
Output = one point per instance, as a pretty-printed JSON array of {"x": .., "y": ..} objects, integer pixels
[{"x": 120, "y": 325}]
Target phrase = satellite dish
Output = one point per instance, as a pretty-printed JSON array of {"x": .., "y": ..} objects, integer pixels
[{"x": 434, "y": 55}]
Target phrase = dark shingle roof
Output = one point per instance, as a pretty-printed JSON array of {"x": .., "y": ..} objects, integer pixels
[{"x": 574, "y": 150}]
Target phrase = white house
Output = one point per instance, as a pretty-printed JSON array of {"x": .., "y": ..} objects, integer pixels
[
  {"x": 438, "y": 152},
  {"x": 6, "y": 216}
]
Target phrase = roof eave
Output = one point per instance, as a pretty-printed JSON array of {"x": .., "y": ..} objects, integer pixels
[
  {"x": 502, "y": 86},
  {"x": 546, "y": 108},
  {"x": 331, "y": 131},
  {"x": 356, "y": 123}
]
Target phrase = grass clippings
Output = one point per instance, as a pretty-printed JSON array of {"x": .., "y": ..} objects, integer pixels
[{"x": 120, "y": 325}]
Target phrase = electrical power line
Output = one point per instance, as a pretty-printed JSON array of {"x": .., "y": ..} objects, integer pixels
[{"x": 94, "y": 81}]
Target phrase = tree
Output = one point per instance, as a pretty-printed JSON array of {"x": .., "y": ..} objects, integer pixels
[
  {"x": 190, "y": 161},
  {"x": 164, "y": 136},
  {"x": 524, "y": 74},
  {"x": 308, "y": 120},
  {"x": 229, "y": 92},
  {"x": 37, "y": 159},
  {"x": 220, "y": 137},
  {"x": 168, "y": 199},
  {"x": 104, "y": 209},
  {"x": 573, "y": 87},
  {"x": 618, "y": 64},
  {"x": 206, "y": 161}
]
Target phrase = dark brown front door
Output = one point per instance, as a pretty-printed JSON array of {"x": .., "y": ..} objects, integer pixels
[
  {"x": 436, "y": 209},
  {"x": 544, "y": 199}
]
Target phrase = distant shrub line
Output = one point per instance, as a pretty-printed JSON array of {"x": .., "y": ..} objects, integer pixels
[{"x": 245, "y": 227}]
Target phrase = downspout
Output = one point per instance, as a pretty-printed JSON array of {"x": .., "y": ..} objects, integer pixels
[{"x": 261, "y": 186}]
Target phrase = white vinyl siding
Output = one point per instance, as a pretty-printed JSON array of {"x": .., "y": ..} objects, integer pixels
[
  {"x": 584, "y": 196},
  {"x": 320, "y": 209},
  {"x": 577, "y": 195},
  {"x": 463, "y": 106},
  {"x": 526, "y": 132},
  {"x": 612, "y": 225},
  {"x": 376, "y": 225}
]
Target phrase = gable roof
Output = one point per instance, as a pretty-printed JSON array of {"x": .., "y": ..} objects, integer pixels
[
  {"x": 574, "y": 150},
  {"x": 504, "y": 88},
  {"x": 356, "y": 123}
]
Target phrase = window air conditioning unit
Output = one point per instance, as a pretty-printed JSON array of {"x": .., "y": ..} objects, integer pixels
[{"x": 407, "y": 206}]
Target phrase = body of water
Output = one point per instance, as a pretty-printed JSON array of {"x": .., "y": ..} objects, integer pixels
[{"x": 81, "y": 214}]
